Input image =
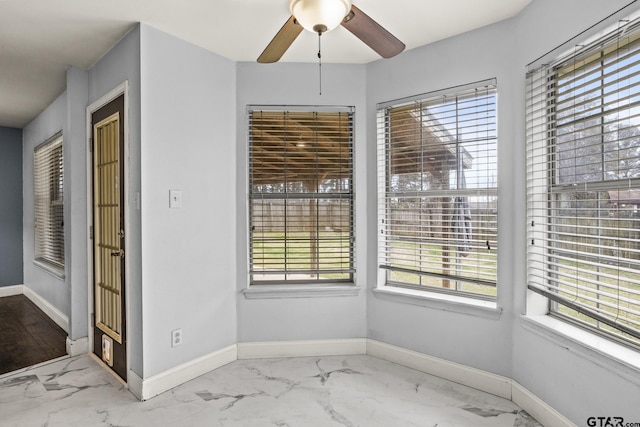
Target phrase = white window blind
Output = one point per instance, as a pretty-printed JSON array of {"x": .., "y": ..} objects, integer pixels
[
  {"x": 437, "y": 185},
  {"x": 301, "y": 195},
  {"x": 583, "y": 184},
  {"x": 48, "y": 203}
]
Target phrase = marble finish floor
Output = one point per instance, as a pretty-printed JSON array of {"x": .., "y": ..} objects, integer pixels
[{"x": 311, "y": 391}]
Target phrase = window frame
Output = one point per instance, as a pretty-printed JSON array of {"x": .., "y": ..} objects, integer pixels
[
  {"x": 48, "y": 203},
  {"x": 481, "y": 303},
  {"x": 287, "y": 286}
]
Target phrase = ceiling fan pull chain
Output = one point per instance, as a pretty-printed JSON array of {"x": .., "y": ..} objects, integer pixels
[{"x": 320, "y": 60}]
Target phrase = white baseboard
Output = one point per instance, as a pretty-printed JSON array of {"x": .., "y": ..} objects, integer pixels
[
  {"x": 472, "y": 377},
  {"x": 538, "y": 408},
  {"x": 56, "y": 315},
  {"x": 77, "y": 347},
  {"x": 134, "y": 383},
  {"x": 9, "y": 291},
  {"x": 461, "y": 374},
  {"x": 498, "y": 385},
  {"x": 337, "y": 347},
  {"x": 147, "y": 388}
]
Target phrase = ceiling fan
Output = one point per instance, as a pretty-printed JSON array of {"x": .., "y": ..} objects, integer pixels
[{"x": 320, "y": 16}]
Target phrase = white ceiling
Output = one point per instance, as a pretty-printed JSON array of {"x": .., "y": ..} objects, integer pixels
[{"x": 40, "y": 39}]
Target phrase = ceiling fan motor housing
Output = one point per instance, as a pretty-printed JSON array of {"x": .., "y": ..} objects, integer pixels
[{"x": 319, "y": 16}]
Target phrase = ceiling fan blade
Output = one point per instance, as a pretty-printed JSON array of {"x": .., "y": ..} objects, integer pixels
[
  {"x": 372, "y": 33},
  {"x": 281, "y": 42}
]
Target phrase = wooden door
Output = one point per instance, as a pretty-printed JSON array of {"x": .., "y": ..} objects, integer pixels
[{"x": 109, "y": 256}]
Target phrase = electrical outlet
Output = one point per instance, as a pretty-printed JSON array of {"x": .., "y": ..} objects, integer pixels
[{"x": 176, "y": 337}]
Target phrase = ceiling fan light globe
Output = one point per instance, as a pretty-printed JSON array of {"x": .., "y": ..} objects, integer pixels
[{"x": 314, "y": 14}]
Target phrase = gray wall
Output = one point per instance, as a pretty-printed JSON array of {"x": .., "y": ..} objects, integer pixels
[
  {"x": 562, "y": 373},
  {"x": 51, "y": 288},
  {"x": 187, "y": 143},
  {"x": 11, "y": 206},
  {"x": 121, "y": 64},
  {"x": 471, "y": 57},
  {"x": 75, "y": 213},
  {"x": 577, "y": 381},
  {"x": 187, "y": 132},
  {"x": 282, "y": 319},
  {"x": 68, "y": 113}
]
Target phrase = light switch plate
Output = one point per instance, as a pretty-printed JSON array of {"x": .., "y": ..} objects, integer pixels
[{"x": 175, "y": 198}]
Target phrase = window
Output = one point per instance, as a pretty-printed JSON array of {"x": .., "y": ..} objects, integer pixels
[
  {"x": 437, "y": 191},
  {"x": 48, "y": 204},
  {"x": 583, "y": 185},
  {"x": 301, "y": 195}
]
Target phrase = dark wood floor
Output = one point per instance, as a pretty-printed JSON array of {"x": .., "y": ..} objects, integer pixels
[{"x": 28, "y": 336}]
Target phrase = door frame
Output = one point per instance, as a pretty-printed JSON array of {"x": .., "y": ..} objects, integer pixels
[{"x": 121, "y": 89}]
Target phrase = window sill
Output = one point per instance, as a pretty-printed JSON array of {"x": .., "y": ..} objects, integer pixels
[
  {"x": 300, "y": 291},
  {"x": 591, "y": 346},
  {"x": 445, "y": 302},
  {"x": 54, "y": 271}
]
